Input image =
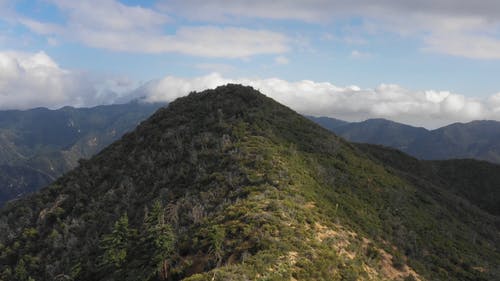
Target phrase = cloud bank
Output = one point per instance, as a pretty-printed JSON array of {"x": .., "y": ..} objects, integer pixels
[
  {"x": 34, "y": 79},
  {"x": 429, "y": 108},
  {"x": 30, "y": 80}
]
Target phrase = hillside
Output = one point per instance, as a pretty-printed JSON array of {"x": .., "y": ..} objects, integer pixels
[
  {"x": 477, "y": 139},
  {"x": 478, "y": 182},
  {"x": 227, "y": 184},
  {"x": 39, "y": 145}
]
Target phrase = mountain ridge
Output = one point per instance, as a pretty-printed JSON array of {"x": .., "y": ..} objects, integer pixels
[
  {"x": 227, "y": 184},
  {"x": 38, "y": 145},
  {"x": 476, "y": 139}
]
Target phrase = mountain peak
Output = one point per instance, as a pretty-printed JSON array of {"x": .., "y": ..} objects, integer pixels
[
  {"x": 232, "y": 98},
  {"x": 234, "y": 92},
  {"x": 227, "y": 184}
]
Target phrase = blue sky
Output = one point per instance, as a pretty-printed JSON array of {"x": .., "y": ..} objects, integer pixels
[{"x": 408, "y": 58}]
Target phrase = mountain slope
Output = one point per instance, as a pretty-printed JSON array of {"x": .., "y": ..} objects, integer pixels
[
  {"x": 38, "y": 145},
  {"x": 478, "y": 182},
  {"x": 327, "y": 122},
  {"x": 477, "y": 139},
  {"x": 227, "y": 184}
]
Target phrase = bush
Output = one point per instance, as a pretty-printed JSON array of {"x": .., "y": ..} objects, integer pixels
[{"x": 398, "y": 261}]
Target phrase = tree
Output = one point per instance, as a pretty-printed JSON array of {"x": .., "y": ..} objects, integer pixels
[
  {"x": 20, "y": 271},
  {"x": 217, "y": 236},
  {"x": 159, "y": 239},
  {"x": 116, "y": 244}
]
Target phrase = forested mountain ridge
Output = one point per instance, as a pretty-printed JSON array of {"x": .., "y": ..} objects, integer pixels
[
  {"x": 227, "y": 184},
  {"x": 39, "y": 145},
  {"x": 477, "y": 139},
  {"x": 478, "y": 182}
]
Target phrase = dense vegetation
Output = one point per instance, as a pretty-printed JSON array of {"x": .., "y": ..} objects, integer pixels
[
  {"x": 227, "y": 184},
  {"x": 39, "y": 145},
  {"x": 477, "y": 139},
  {"x": 476, "y": 181}
]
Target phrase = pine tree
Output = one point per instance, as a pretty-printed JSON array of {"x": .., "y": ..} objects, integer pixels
[
  {"x": 159, "y": 239},
  {"x": 116, "y": 245}
]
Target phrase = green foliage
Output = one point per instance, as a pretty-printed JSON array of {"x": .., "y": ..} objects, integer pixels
[
  {"x": 474, "y": 181},
  {"x": 216, "y": 237},
  {"x": 398, "y": 261},
  {"x": 116, "y": 244},
  {"x": 39, "y": 145},
  {"x": 372, "y": 252},
  {"x": 158, "y": 238},
  {"x": 20, "y": 271},
  {"x": 228, "y": 185}
]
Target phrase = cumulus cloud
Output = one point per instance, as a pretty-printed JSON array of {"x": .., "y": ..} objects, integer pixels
[
  {"x": 119, "y": 27},
  {"x": 429, "y": 108},
  {"x": 34, "y": 79}
]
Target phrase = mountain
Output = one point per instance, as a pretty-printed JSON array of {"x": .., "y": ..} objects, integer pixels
[
  {"x": 38, "y": 145},
  {"x": 477, "y": 139},
  {"x": 327, "y": 122},
  {"x": 476, "y": 181},
  {"x": 227, "y": 184}
]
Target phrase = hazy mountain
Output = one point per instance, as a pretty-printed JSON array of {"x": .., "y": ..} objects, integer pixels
[
  {"x": 477, "y": 139},
  {"x": 327, "y": 122},
  {"x": 38, "y": 145},
  {"x": 227, "y": 184}
]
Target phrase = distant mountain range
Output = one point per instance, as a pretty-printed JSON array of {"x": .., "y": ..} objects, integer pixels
[
  {"x": 477, "y": 139},
  {"x": 39, "y": 145},
  {"x": 228, "y": 184}
]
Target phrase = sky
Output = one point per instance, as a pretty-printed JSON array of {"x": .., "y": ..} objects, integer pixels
[{"x": 422, "y": 62}]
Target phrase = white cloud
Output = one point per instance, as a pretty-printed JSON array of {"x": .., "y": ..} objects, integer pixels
[
  {"x": 215, "y": 67},
  {"x": 169, "y": 88},
  {"x": 474, "y": 25},
  {"x": 42, "y": 28},
  {"x": 421, "y": 108},
  {"x": 323, "y": 10},
  {"x": 281, "y": 60},
  {"x": 226, "y": 42},
  {"x": 224, "y": 11},
  {"x": 464, "y": 45},
  {"x": 463, "y": 28},
  {"x": 494, "y": 102},
  {"x": 110, "y": 15},
  {"x": 34, "y": 79},
  {"x": 355, "y": 54},
  {"x": 112, "y": 25}
]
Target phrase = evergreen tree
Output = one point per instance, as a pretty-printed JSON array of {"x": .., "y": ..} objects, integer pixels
[
  {"x": 159, "y": 239},
  {"x": 116, "y": 245}
]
